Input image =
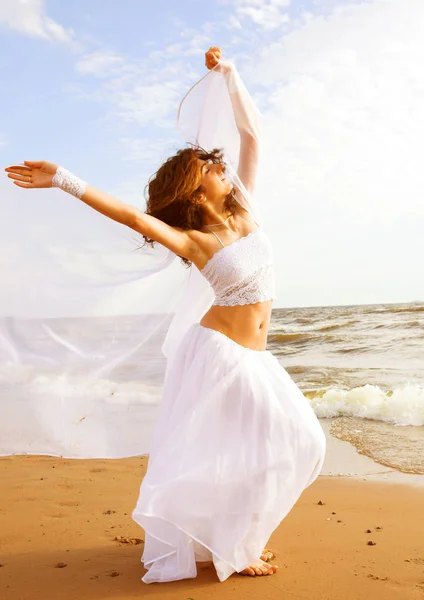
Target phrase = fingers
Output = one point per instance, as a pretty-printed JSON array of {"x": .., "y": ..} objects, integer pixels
[
  {"x": 211, "y": 60},
  {"x": 26, "y": 167},
  {"x": 24, "y": 185},
  {"x": 212, "y": 56},
  {"x": 26, "y": 178},
  {"x": 18, "y": 169},
  {"x": 22, "y": 176}
]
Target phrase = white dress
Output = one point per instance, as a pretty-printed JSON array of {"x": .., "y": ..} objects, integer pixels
[{"x": 236, "y": 441}]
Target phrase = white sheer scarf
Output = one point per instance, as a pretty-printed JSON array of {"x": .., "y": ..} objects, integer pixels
[
  {"x": 211, "y": 117},
  {"x": 86, "y": 327}
]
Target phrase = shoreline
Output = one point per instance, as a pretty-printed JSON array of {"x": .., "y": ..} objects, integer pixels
[{"x": 343, "y": 460}]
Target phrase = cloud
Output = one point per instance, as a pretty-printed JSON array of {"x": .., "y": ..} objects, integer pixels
[
  {"x": 151, "y": 152},
  {"x": 28, "y": 17},
  {"x": 342, "y": 95},
  {"x": 136, "y": 93},
  {"x": 268, "y": 15},
  {"x": 344, "y": 106},
  {"x": 144, "y": 91},
  {"x": 100, "y": 64},
  {"x": 147, "y": 104},
  {"x": 2, "y": 141}
]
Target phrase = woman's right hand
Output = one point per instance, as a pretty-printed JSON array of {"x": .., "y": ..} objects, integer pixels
[
  {"x": 32, "y": 174},
  {"x": 212, "y": 57}
]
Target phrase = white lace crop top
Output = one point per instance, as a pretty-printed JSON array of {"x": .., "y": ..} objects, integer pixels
[{"x": 242, "y": 272}]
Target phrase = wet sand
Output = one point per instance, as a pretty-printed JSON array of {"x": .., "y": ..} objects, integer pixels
[{"x": 67, "y": 532}]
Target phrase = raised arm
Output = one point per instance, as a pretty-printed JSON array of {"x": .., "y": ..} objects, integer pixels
[
  {"x": 43, "y": 174},
  {"x": 246, "y": 117}
]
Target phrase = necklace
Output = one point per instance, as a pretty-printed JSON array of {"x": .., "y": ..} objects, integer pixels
[{"x": 220, "y": 222}]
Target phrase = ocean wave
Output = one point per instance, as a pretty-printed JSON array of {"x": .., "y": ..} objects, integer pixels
[
  {"x": 401, "y": 406},
  {"x": 27, "y": 383},
  {"x": 277, "y": 338},
  {"x": 357, "y": 349},
  {"x": 398, "y": 309},
  {"x": 403, "y": 309},
  {"x": 404, "y": 405},
  {"x": 400, "y": 325},
  {"x": 304, "y": 337},
  {"x": 337, "y": 325}
]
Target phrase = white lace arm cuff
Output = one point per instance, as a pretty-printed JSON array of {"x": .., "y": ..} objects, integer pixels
[{"x": 68, "y": 182}]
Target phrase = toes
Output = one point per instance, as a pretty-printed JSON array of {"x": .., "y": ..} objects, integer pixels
[
  {"x": 267, "y": 555},
  {"x": 259, "y": 570}
]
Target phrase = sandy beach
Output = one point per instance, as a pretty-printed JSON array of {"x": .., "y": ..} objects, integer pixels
[{"x": 66, "y": 531}]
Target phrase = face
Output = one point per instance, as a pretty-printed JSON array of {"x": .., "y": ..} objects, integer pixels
[{"x": 213, "y": 180}]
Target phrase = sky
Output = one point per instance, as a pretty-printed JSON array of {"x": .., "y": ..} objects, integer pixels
[{"x": 95, "y": 86}]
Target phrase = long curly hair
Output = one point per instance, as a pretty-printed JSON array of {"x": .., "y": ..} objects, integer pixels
[{"x": 172, "y": 191}]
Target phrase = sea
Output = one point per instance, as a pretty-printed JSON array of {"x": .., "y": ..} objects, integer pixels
[{"x": 360, "y": 367}]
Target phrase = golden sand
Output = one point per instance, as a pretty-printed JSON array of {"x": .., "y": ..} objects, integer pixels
[{"x": 66, "y": 532}]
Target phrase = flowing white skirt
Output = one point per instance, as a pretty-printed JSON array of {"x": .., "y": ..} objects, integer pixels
[{"x": 235, "y": 445}]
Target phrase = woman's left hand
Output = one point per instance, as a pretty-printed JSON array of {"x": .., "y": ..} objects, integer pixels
[{"x": 212, "y": 57}]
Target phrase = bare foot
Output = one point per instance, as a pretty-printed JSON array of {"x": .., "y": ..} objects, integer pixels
[
  {"x": 259, "y": 567},
  {"x": 267, "y": 555}
]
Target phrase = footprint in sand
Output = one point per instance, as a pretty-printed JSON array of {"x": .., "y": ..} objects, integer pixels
[
  {"x": 416, "y": 561},
  {"x": 128, "y": 540}
]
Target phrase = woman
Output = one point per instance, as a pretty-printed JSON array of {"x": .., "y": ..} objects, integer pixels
[{"x": 236, "y": 442}]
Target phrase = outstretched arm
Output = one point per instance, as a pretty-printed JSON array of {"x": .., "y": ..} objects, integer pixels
[
  {"x": 43, "y": 174},
  {"x": 246, "y": 117}
]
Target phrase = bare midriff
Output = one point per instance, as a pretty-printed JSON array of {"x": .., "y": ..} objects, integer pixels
[{"x": 247, "y": 324}]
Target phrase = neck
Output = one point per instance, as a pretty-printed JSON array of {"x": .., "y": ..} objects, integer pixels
[
  {"x": 215, "y": 217},
  {"x": 219, "y": 222}
]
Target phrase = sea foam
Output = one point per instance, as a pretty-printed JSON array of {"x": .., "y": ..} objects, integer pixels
[{"x": 402, "y": 406}]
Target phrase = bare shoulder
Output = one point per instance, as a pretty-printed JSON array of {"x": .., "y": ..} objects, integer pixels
[
  {"x": 174, "y": 238},
  {"x": 190, "y": 244},
  {"x": 204, "y": 244},
  {"x": 197, "y": 246}
]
